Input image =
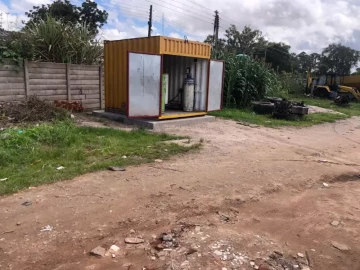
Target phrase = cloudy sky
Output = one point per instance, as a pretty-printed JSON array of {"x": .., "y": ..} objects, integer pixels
[{"x": 308, "y": 25}]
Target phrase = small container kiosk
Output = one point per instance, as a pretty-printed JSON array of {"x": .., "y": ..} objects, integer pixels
[{"x": 161, "y": 77}]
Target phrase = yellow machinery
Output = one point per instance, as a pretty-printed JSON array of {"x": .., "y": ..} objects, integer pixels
[
  {"x": 331, "y": 86},
  {"x": 351, "y": 80}
]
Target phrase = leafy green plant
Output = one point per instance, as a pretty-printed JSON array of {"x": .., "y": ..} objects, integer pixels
[
  {"x": 247, "y": 80},
  {"x": 61, "y": 42},
  {"x": 14, "y": 48}
]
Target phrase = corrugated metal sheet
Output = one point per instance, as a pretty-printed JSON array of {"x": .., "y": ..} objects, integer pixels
[
  {"x": 144, "y": 85},
  {"x": 180, "y": 47},
  {"x": 176, "y": 67},
  {"x": 116, "y": 68},
  {"x": 201, "y": 84}
]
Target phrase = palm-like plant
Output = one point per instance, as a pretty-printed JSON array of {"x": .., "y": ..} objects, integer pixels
[{"x": 60, "y": 42}]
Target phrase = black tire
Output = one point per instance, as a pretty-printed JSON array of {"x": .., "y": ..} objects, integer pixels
[
  {"x": 321, "y": 92},
  {"x": 263, "y": 107}
]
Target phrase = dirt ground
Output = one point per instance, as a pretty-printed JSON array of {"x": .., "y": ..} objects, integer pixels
[{"x": 252, "y": 198}]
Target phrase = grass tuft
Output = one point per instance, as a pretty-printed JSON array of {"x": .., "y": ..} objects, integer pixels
[
  {"x": 247, "y": 115},
  {"x": 29, "y": 157},
  {"x": 352, "y": 110}
]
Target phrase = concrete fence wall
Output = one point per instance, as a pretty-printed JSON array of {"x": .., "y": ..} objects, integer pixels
[{"x": 52, "y": 81}]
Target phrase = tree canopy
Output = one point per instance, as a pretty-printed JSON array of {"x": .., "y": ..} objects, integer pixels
[
  {"x": 334, "y": 58},
  {"x": 63, "y": 10},
  {"x": 339, "y": 59},
  {"x": 357, "y": 72}
]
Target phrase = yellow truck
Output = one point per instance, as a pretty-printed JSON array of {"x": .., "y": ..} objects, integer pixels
[
  {"x": 353, "y": 81},
  {"x": 332, "y": 86}
]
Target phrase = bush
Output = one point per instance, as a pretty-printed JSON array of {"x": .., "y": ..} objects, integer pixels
[
  {"x": 293, "y": 83},
  {"x": 63, "y": 42},
  {"x": 247, "y": 80},
  {"x": 16, "y": 47}
]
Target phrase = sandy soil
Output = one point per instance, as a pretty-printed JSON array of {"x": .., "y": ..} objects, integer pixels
[{"x": 250, "y": 193}]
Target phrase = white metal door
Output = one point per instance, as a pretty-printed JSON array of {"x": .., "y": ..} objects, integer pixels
[
  {"x": 215, "y": 87},
  {"x": 144, "y": 85}
]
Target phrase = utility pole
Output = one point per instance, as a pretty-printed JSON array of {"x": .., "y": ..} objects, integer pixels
[
  {"x": 1, "y": 20},
  {"x": 150, "y": 22},
  {"x": 216, "y": 32}
]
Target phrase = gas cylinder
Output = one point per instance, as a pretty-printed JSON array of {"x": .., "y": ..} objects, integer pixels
[{"x": 188, "y": 94}]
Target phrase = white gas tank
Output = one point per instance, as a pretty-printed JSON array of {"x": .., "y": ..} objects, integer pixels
[{"x": 188, "y": 94}]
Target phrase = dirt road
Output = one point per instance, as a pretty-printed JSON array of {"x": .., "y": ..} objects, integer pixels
[{"x": 248, "y": 193}]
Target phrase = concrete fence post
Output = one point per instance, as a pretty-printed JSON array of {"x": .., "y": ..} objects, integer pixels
[
  {"x": 101, "y": 87},
  {"x": 26, "y": 78},
  {"x": 68, "y": 82}
]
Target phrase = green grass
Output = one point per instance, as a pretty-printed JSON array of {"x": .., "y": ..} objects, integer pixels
[
  {"x": 30, "y": 157},
  {"x": 247, "y": 115},
  {"x": 352, "y": 110}
]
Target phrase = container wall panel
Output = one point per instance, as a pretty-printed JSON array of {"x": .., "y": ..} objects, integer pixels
[
  {"x": 116, "y": 68},
  {"x": 180, "y": 47}
]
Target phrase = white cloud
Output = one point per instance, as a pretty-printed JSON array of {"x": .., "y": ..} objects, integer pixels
[
  {"x": 175, "y": 35},
  {"x": 113, "y": 34},
  {"x": 20, "y": 6},
  {"x": 308, "y": 25}
]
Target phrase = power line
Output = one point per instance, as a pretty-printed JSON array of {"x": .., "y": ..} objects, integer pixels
[
  {"x": 163, "y": 23},
  {"x": 182, "y": 4},
  {"x": 201, "y": 6},
  {"x": 179, "y": 12},
  {"x": 210, "y": 14},
  {"x": 131, "y": 5},
  {"x": 176, "y": 25},
  {"x": 140, "y": 16}
]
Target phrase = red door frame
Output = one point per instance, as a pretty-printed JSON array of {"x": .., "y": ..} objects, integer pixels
[{"x": 127, "y": 86}]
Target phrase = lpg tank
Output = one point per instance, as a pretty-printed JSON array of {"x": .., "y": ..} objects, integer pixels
[{"x": 188, "y": 95}]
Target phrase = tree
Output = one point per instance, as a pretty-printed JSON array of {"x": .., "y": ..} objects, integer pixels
[
  {"x": 232, "y": 39},
  {"x": 278, "y": 54},
  {"x": 63, "y": 10},
  {"x": 244, "y": 42},
  {"x": 220, "y": 44},
  {"x": 304, "y": 62},
  {"x": 15, "y": 46},
  {"x": 339, "y": 59},
  {"x": 249, "y": 40},
  {"x": 357, "y": 72}
]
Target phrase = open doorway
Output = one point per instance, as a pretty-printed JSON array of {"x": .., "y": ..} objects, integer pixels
[{"x": 184, "y": 86}]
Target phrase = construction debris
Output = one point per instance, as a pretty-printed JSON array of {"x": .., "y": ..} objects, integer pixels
[
  {"x": 47, "y": 228},
  {"x": 98, "y": 251},
  {"x": 27, "y": 203},
  {"x": 31, "y": 110},
  {"x": 117, "y": 169},
  {"x": 335, "y": 223},
  {"x": 134, "y": 240},
  {"x": 340, "y": 246}
]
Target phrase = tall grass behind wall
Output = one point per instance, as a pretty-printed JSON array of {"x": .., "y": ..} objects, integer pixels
[{"x": 248, "y": 79}]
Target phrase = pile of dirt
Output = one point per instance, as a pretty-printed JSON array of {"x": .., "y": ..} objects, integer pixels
[{"x": 31, "y": 110}]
